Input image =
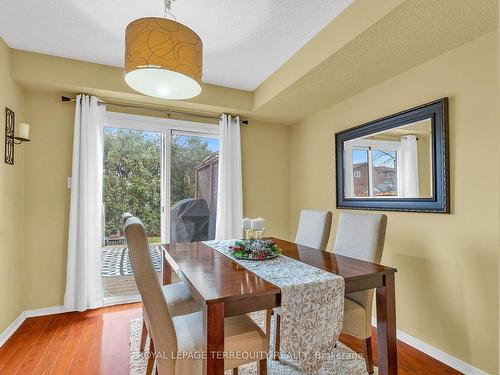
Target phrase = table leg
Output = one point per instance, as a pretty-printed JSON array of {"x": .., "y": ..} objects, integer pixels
[
  {"x": 269, "y": 314},
  {"x": 166, "y": 272},
  {"x": 215, "y": 339},
  {"x": 386, "y": 327},
  {"x": 277, "y": 337}
]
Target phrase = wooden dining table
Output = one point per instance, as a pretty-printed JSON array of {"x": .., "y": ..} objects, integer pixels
[{"x": 223, "y": 288}]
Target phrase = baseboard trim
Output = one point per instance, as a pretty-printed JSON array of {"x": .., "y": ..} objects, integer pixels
[
  {"x": 13, "y": 327},
  {"x": 46, "y": 311},
  {"x": 436, "y": 353}
]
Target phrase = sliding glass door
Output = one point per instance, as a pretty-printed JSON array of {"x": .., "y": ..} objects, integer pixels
[
  {"x": 132, "y": 179},
  {"x": 131, "y": 183},
  {"x": 164, "y": 172},
  {"x": 194, "y": 161}
]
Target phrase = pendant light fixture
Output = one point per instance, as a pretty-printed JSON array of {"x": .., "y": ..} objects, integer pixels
[{"x": 163, "y": 58}]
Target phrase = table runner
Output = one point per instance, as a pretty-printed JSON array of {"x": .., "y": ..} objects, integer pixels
[{"x": 312, "y": 304}]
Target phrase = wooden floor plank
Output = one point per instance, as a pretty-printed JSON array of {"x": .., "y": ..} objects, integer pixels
[
  {"x": 38, "y": 350},
  {"x": 96, "y": 342},
  {"x": 94, "y": 363},
  {"x": 82, "y": 353},
  {"x": 66, "y": 355},
  {"x": 125, "y": 351},
  {"x": 30, "y": 339},
  {"x": 50, "y": 356},
  {"x": 113, "y": 344},
  {"x": 11, "y": 346}
]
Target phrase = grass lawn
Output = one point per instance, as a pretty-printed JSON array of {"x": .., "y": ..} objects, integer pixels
[{"x": 154, "y": 239}]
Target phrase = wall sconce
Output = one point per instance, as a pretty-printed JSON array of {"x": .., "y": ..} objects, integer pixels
[{"x": 11, "y": 138}]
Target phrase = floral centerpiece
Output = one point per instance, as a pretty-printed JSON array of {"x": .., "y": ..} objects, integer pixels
[{"x": 255, "y": 249}]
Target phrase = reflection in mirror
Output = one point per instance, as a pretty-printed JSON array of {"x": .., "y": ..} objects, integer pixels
[{"x": 394, "y": 163}]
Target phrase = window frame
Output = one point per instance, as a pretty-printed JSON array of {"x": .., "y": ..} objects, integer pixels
[{"x": 369, "y": 146}]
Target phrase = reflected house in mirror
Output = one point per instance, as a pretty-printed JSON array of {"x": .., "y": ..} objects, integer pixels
[{"x": 399, "y": 162}]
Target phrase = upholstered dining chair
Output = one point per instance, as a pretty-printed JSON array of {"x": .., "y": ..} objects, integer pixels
[
  {"x": 313, "y": 231},
  {"x": 360, "y": 236},
  {"x": 185, "y": 333},
  {"x": 179, "y": 301}
]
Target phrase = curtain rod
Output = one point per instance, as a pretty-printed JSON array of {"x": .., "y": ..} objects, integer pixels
[{"x": 165, "y": 111}]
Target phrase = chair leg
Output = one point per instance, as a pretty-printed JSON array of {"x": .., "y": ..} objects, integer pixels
[
  {"x": 269, "y": 314},
  {"x": 151, "y": 359},
  {"x": 235, "y": 371},
  {"x": 367, "y": 348},
  {"x": 262, "y": 367},
  {"x": 144, "y": 336},
  {"x": 277, "y": 333}
]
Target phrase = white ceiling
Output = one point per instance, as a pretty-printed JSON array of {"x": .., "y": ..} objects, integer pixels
[{"x": 245, "y": 41}]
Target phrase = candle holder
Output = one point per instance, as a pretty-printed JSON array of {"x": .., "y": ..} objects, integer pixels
[
  {"x": 258, "y": 233},
  {"x": 258, "y": 227},
  {"x": 246, "y": 224},
  {"x": 246, "y": 233},
  {"x": 10, "y": 138}
]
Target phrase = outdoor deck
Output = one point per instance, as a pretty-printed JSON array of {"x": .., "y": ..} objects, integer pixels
[
  {"x": 119, "y": 286},
  {"x": 116, "y": 272}
]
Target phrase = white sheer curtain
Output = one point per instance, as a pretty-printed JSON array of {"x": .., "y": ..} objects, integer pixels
[
  {"x": 230, "y": 189},
  {"x": 83, "y": 278},
  {"x": 409, "y": 167}
]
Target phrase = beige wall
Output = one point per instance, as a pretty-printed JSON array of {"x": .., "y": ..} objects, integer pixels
[
  {"x": 265, "y": 154},
  {"x": 12, "y": 230},
  {"x": 48, "y": 164},
  {"x": 266, "y": 175},
  {"x": 447, "y": 264}
]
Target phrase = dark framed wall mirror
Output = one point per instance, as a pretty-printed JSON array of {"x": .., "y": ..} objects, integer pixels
[{"x": 397, "y": 163}]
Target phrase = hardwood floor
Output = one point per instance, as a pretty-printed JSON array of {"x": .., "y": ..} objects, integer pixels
[
  {"x": 96, "y": 342},
  {"x": 93, "y": 342},
  {"x": 410, "y": 360}
]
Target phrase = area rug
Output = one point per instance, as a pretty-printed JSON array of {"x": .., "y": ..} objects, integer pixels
[
  {"x": 115, "y": 261},
  {"x": 342, "y": 360}
]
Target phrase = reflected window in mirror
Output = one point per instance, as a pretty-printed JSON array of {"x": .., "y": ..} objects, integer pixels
[
  {"x": 399, "y": 162},
  {"x": 392, "y": 163}
]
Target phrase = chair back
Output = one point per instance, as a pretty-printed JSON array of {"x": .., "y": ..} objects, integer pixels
[
  {"x": 161, "y": 327},
  {"x": 361, "y": 236},
  {"x": 125, "y": 217},
  {"x": 314, "y": 229}
]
